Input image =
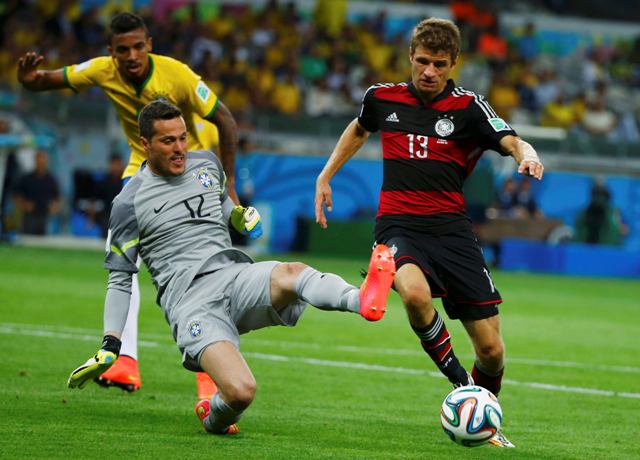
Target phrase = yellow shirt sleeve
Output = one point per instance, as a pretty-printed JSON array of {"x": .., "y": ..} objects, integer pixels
[
  {"x": 197, "y": 94},
  {"x": 87, "y": 74}
]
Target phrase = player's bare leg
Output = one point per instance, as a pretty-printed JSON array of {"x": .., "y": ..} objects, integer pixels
[
  {"x": 488, "y": 368},
  {"x": 412, "y": 285},
  {"x": 489, "y": 349},
  {"x": 236, "y": 388}
]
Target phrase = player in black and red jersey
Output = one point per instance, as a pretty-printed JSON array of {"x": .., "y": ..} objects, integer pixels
[{"x": 433, "y": 133}]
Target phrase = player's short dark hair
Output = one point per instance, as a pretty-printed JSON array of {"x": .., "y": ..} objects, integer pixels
[
  {"x": 126, "y": 22},
  {"x": 435, "y": 34},
  {"x": 153, "y": 111}
]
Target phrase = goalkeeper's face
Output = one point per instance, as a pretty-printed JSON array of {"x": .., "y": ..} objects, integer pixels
[
  {"x": 167, "y": 149},
  {"x": 430, "y": 71}
]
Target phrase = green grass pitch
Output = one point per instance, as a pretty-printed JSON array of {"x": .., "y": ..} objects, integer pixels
[{"x": 335, "y": 386}]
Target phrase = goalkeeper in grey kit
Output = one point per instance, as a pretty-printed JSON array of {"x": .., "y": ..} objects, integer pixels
[{"x": 175, "y": 214}]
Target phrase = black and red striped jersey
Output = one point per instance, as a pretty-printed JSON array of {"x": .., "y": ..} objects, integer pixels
[{"x": 428, "y": 151}]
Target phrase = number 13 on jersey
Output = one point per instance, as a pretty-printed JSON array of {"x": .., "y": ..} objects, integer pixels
[{"x": 418, "y": 146}]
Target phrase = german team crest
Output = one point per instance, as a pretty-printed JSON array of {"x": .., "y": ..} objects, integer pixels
[
  {"x": 444, "y": 127},
  {"x": 195, "y": 328},
  {"x": 205, "y": 178}
]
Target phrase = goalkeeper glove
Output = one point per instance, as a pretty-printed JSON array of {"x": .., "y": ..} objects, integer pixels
[
  {"x": 246, "y": 221},
  {"x": 97, "y": 364}
]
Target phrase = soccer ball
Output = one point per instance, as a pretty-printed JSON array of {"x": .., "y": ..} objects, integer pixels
[{"x": 471, "y": 415}]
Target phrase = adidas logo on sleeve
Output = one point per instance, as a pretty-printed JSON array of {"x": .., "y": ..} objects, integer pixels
[{"x": 393, "y": 117}]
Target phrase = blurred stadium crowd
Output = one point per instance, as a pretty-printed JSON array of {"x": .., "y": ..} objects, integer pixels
[
  {"x": 304, "y": 65},
  {"x": 277, "y": 57}
]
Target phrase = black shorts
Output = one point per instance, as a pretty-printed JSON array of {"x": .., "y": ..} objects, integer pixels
[{"x": 454, "y": 267}]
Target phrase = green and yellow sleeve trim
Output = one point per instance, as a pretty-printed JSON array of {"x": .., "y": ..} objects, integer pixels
[
  {"x": 213, "y": 110},
  {"x": 65, "y": 69}
]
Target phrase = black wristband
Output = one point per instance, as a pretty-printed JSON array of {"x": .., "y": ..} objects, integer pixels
[{"x": 112, "y": 344}]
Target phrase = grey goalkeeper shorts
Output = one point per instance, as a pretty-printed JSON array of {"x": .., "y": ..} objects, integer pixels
[{"x": 224, "y": 304}]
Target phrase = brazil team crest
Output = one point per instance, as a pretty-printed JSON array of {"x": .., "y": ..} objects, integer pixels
[
  {"x": 195, "y": 328},
  {"x": 205, "y": 178}
]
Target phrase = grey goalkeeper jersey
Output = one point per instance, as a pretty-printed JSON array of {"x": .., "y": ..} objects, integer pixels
[{"x": 178, "y": 225}]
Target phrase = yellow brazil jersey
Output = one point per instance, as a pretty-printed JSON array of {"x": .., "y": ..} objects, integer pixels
[{"x": 168, "y": 79}]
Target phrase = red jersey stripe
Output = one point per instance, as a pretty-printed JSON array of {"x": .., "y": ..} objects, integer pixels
[
  {"x": 396, "y": 93},
  {"x": 419, "y": 203}
]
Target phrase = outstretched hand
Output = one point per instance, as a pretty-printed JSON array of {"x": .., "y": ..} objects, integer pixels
[
  {"x": 530, "y": 163},
  {"x": 531, "y": 168},
  {"x": 323, "y": 197},
  {"x": 28, "y": 67}
]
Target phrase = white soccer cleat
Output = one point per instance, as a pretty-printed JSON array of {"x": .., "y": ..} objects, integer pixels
[{"x": 500, "y": 440}]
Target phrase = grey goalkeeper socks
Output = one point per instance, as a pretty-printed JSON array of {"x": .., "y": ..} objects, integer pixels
[
  {"x": 327, "y": 291},
  {"x": 222, "y": 415}
]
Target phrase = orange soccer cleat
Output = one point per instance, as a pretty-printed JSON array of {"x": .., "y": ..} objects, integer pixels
[
  {"x": 124, "y": 374},
  {"x": 203, "y": 409},
  {"x": 375, "y": 289},
  {"x": 206, "y": 386}
]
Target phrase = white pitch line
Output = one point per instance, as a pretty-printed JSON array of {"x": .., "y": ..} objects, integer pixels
[
  {"x": 7, "y": 329},
  {"x": 404, "y": 370},
  {"x": 407, "y": 352},
  {"x": 248, "y": 340},
  {"x": 24, "y": 330}
]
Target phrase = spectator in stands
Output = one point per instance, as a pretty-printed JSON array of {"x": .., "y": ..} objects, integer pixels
[
  {"x": 471, "y": 19},
  {"x": 493, "y": 46},
  {"x": 503, "y": 96},
  {"x": 527, "y": 44},
  {"x": 106, "y": 190},
  {"x": 337, "y": 75},
  {"x": 503, "y": 205},
  {"x": 263, "y": 80},
  {"x": 524, "y": 202},
  {"x": 8, "y": 166},
  {"x": 559, "y": 113},
  {"x": 598, "y": 119},
  {"x": 600, "y": 222},
  {"x": 515, "y": 201},
  {"x": 320, "y": 99},
  {"x": 548, "y": 86},
  {"x": 330, "y": 16},
  {"x": 38, "y": 197},
  {"x": 287, "y": 97},
  {"x": 88, "y": 29},
  {"x": 525, "y": 85}
]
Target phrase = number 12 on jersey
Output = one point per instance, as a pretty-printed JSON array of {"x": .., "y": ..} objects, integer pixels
[{"x": 415, "y": 142}]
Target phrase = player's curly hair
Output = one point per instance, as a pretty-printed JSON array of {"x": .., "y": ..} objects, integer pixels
[
  {"x": 153, "y": 111},
  {"x": 126, "y": 22},
  {"x": 436, "y": 34}
]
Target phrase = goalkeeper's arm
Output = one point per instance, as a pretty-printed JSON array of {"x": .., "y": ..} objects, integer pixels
[{"x": 116, "y": 308}]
